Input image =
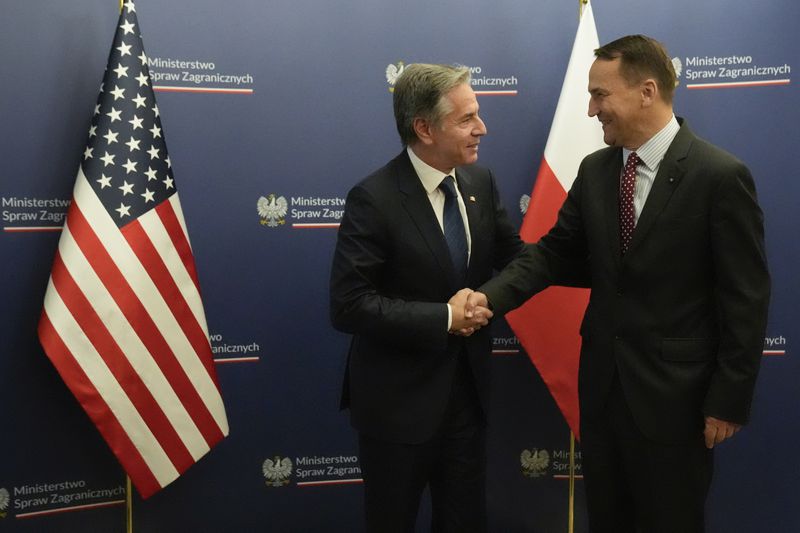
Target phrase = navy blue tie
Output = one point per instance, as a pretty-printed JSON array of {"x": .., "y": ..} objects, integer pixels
[{"x": 454, "y": 232}]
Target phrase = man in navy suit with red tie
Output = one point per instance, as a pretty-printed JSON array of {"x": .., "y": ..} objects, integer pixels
[{"x": 413, "y": 233}]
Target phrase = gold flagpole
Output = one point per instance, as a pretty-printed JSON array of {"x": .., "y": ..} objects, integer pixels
[
  {"x": 128, "y": 505},
  {"x": 571, "y": 514},
  {"x": 571, "y": 510}
]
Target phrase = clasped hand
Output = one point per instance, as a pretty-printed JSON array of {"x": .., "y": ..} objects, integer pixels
[{"x": 470, "y": 312}]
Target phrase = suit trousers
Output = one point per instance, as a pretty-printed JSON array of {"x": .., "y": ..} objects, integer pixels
[
  {"x": 636, "y": 485},
  {"x": 452, "y": 464}
]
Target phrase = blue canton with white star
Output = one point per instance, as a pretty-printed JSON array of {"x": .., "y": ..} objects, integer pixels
[{"x": 126, "y": 160}]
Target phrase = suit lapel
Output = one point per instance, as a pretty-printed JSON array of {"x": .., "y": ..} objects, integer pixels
[
  {"x": 670, "y": 172},
  {"x": 469, "y": 194},
  {"x": 416, "y": 203}
]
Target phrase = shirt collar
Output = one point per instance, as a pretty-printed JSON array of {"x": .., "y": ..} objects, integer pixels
[
  {"x": 652, "y": 152},
  {"x": 429, "y": 176}
]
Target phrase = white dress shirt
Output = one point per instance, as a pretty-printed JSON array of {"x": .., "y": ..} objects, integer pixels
[
  {"x": 651, "y": 154},
  {"x": 431, "y": 178}
]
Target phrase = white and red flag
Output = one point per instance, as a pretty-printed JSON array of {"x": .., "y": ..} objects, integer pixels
[
  {"x": 547, "y": 325},
  {"x": 123, "y": 321}
]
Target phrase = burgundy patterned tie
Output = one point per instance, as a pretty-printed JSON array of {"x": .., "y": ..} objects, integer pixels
[{"x": 627, "y": 219}]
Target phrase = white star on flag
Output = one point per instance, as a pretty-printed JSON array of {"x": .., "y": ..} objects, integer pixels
[
  {"x": 118, "y": 93},
  {"x": 108, "y": 159},
  {"x": 133, "y": 144},
  {"x": 114, "y": 114},
  {"x": 124, "y": 50},
  {"x": 127, "y": 27},
  {"x": 122, "y": 72},
  {"x": 123, "y": 210},
  {"x": 110, "y": 137}
]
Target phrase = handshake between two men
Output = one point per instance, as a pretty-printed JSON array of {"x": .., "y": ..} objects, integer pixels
[{"x": 470, "y": 312}]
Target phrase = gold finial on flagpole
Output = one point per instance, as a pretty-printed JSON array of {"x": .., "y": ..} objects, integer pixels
[{"x": 120, "y": 5}]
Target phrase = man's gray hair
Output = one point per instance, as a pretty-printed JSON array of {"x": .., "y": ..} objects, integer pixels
[{"x": 419, "y": 92}]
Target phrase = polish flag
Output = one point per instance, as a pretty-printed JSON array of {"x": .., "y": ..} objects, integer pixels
[{"x": 547, "y": 325}]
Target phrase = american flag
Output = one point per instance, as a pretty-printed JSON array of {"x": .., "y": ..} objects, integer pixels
[{"x": 123, "y": 321}]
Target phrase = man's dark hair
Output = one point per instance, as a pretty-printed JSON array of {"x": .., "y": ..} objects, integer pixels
[{"x": 642, "y": 57}]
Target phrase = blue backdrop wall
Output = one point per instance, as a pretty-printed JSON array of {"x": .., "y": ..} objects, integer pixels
[{"x": 291, "y": 99}]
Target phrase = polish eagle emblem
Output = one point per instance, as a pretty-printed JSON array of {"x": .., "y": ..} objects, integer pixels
[
  {"x": 272, "y": 210},
  {"x": 277, "y": 471},
  {"x": 524, "y": 202},
  {"x": 534, "y": 463},
  {"x": 678, "y": 66},
  {"x": 393, "y": 71},
  {"x": 5, "y": 498}
]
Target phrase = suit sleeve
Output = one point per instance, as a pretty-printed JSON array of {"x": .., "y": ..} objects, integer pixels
[
  {"x": 742, "y": 293},
  {"x": 559, "y": 258},
  {"x": 358, "y": 304}
]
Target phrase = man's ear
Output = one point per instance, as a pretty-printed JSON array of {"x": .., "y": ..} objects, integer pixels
[
  {"x": 423, "y": 129},
  {"x": 649, "y": 91}
]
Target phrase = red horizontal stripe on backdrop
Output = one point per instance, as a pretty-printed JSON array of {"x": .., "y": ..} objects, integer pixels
[
  {"x": 152, "y": 262},
  {"x": 135, "y": 389},
  {"x": 137, "y": 315},
  {"x": 97, "y": 409},
  {"x": 69, "y": 509},
  {"x": 175, "y": 231}
]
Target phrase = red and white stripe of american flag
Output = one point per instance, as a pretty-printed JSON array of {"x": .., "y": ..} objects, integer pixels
[{"x": 124, "y": 325}]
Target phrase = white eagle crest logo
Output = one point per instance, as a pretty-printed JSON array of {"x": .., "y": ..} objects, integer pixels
[
  {"x": 678, "y": 66},
  {"x": 277, "y": 471},
  {"x": 272, "y": 210},
  {"x": 534, "y": 463},
  {"x": 393, "y": 71},
  {"x": 4, "y": 499},
  {"x": 524, "y": 202}
]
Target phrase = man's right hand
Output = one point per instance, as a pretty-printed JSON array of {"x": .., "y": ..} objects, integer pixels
[
  {"x": 475, "y": 300},
  {"x": 463, "y": 323}
]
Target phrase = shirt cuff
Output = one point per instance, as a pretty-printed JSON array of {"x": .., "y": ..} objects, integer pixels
[{"x": 449, "y": 317}]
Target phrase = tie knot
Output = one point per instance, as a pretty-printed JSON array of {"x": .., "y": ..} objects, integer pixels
[
  {"x": 633, "y": 160},
  {"x": 448, "y": 186}
]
